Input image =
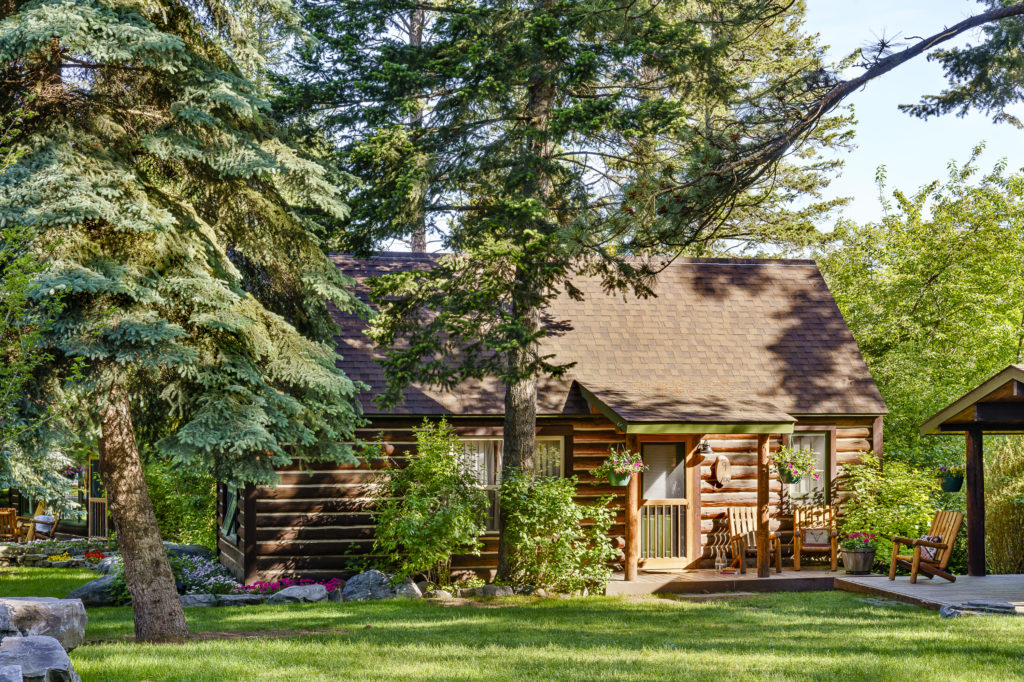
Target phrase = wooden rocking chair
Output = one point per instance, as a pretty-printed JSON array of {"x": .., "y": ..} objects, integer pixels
[
  {"x": 814, "y": 530},
  {"x": 30, "y": 528},
  {"x": 945, "y": 526},
  {"x": 8, "y": 524},
  {"x": 743, "y": 536}
]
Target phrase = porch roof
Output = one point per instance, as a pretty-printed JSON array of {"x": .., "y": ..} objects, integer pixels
[
  {"x": 995, "y": 406},
  {"x": 667, "y": 408}
]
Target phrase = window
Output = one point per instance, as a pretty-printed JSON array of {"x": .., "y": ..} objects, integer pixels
[
  {"x": 666, "y": 477},
  {"x": 485, "y": 458},
  {"x": 808, "y": 490}
]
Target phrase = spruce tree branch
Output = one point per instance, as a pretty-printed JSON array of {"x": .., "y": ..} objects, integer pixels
[{"x": 775, "y": 149}]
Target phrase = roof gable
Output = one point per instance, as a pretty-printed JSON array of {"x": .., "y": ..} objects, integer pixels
[
  {"x": 1005, "y": 388},
  {"x": 723, "y": 340}
]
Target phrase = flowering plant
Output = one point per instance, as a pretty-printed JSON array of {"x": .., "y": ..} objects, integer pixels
[
  {"x": 59, "y": 557},
  {"x": 72, "y": 470},
  {"x": 857, "y": 541},
  {"x": 94, "y": 555},
  {"x": 199, "y": 575},
  {"x": 951, "y": 471},
  {"x": 796, "y": 463},
  {"x": 620, "y": 462},
  {"x": 277, "y": 585}
]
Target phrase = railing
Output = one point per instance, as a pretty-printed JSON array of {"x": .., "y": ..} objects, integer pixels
[{"x": 663, "y": 529}]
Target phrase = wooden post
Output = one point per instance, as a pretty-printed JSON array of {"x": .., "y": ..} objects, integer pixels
[
  {"x": 249, "y": 534},
  {"x": 763, "y": 441},
  {"x": 975, "y": 504},
  {"x": 632, "y": 516}
]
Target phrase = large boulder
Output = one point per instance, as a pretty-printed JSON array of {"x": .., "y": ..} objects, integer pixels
[
  {"x": 11, "y": 673},
  {"x": 369, "y": 585},
  {"x": 494, "y": 591},
  {"x": 299, "y": 594},
  {"x": 95, "y": 592},
  {"x": 62, "y": 619},
  {"x": 189, "y": 600},
  {"x": 42, "y": 659},
  {"x": 243, "y": 599},
  {"x": 188, "y": 550},
  {"x": 443, "y": 595},
  {"x": 408, "y": 590},
  {"x": 107, "y": 565}
]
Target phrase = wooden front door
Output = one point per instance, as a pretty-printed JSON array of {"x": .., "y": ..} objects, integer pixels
[{"x": 665, "y": 522}]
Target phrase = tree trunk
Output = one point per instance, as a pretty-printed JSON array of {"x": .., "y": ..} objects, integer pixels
[
  {"x": 520, "y": 432},
  {"x": 157, "y": 610},
  {"x": 519, "y": 441},
  {"x": 418, "y": 239}
]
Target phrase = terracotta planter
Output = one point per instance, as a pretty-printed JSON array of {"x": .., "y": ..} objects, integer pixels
[
  {"x": 952, "y": 484},
  {"x": 858, "y": 561},
  {"x": 619, "y": 479}
]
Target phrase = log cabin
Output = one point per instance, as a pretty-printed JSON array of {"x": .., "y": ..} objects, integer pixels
[{"x": 729, "y": 360}]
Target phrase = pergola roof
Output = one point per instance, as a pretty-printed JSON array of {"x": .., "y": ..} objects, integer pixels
[{"x": 996, "y": 406}]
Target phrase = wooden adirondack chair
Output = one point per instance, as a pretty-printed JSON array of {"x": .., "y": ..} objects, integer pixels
[
  {"x": 946, "y": 526},
  {"x": 814, "y": 530},
  {"x": 28, "y": 526},
  {"x": 743, "y": 537},
  {"x": 8, "y": 524}
]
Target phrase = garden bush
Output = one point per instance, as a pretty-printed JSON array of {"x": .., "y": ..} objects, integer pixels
[
  {"x": 432, "y": 508},
  {"x": 554, "y": 542},
  {"x": 185, "y": 502},
  {"x": 894, "y": 499},
  {"x": 1004, "y": 505}
]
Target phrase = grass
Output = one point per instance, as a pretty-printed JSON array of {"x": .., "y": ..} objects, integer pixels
[{"x": 802, "y": 636}]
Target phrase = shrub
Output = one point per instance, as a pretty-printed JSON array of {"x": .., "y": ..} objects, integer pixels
[
  {"x": 1004, "y": 506},
  {"x": 433, "y": 507},
  {"x": 185, "y": 502},
  {"x": 895, "y": 499},
  {"x": 549, "y": 544}
]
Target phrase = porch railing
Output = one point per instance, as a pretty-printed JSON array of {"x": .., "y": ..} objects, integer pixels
[{"x": 663, "y": 529}]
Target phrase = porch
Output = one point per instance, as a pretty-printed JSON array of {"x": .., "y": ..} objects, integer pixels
[
  {"x": 934, "y": 594},
  {"x": 708, "y": 580}
]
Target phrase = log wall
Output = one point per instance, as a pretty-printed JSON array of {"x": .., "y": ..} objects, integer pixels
[{"x": 319, "y": 521}]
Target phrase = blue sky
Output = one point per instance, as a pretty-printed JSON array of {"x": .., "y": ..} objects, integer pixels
[{"x": 913, "y": 151}]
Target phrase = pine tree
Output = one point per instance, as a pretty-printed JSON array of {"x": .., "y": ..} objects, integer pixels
[
  {"x": 180, "y": 223},
  {"x": 558, "y": 138}
]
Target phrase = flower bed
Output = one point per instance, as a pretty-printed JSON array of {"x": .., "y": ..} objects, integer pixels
[{"x": 276, "y": 586}]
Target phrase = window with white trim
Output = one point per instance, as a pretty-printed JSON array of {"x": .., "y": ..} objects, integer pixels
[
  {"x": 484, "y": 457},
  {"x": 809, "y": 490}
]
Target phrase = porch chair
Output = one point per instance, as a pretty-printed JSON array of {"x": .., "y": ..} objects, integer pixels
[
  {"x": 31, "y": 529},
  {"x": 743, "y": 537},
  {"x": 929, "y": 556},
  {"x": 814, "y": 530},
  {"x": 8, "y": 524}
]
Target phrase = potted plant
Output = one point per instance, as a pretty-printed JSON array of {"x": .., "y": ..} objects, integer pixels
[
  {"x": 858, "y": 551},
  {"x": 619, "y": 467},
  {"x": 793, "y": 464},
  {"x": 952, "y": 477}
]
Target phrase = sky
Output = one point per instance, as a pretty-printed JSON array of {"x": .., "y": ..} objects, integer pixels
[{"x": 914, "y": 151}]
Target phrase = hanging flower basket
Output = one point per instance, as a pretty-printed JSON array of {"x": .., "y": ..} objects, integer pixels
[
  {"x": 619, "y": 479},
  {"x": 620, "y": 467},
  {"x": 951, "y": 477},
  {"x": 792, "y": 465},
  {"x": 952, "y": 484},
  {"x": 787, "y": 476}
]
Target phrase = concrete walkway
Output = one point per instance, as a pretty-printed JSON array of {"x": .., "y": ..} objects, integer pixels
[{"x": 936, "y": 593}]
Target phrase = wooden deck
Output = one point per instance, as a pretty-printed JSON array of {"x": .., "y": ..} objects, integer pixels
[
  {"x": 936, "y": 593},
  {"x": 704, "y": 581}
]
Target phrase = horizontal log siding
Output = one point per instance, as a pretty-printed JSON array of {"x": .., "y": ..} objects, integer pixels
[{"x": 319, "y": 522}]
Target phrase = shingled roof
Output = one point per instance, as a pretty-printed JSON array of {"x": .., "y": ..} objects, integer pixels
[{"x": 725, "y": 341}]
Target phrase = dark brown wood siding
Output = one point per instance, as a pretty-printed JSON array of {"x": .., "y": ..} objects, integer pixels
[{"x": 319, "y": 521}]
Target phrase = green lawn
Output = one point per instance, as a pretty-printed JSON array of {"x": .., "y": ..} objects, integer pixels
[{"x": 813, "y": 636}]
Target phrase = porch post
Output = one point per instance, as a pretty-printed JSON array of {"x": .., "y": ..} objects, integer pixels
[
  {"x": 632, "y": 516},
  {"x": 975, "y": 503},
  {"x": 763, "y": 442}
]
